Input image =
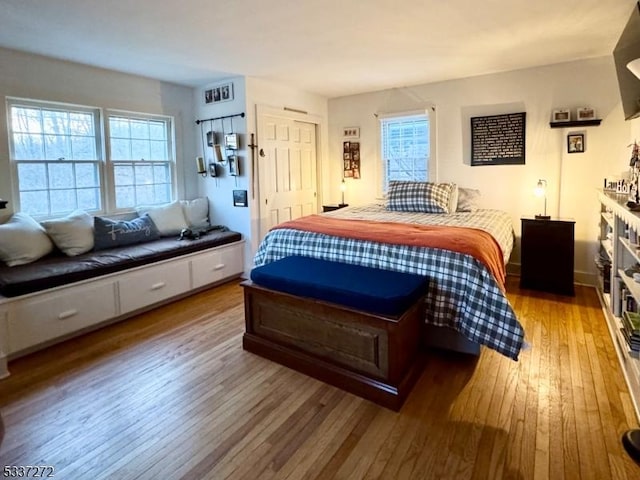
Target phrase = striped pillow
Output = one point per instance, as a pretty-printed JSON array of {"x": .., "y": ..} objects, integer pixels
[{"x": 419, "y": 197}]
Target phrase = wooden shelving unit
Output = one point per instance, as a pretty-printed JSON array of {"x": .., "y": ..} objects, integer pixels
[
  {"x": 576, "y": 123},
  {"x": 615, "y": 222}
]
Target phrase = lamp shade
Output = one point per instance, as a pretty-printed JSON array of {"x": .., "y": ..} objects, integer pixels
[{"x": 541, "y": 188}]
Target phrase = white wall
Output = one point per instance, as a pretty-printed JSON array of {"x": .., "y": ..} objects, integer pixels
[
  {"x": 31, "y": 76},
  {"x": 572, "y": 178}
]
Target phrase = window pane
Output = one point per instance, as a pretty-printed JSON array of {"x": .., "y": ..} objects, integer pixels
[
  {"x": 32, "y": 176},
  {"x": 89, "y": 198},
  {"x": 81, "y": 124},
  {"x": 56, "y": 147},
  {"x": 125, "y": 197},
  {"x": 140, "y": 150},
  {"x": 139, "y": 129},
  {"x": 120, "y": 149},
  {"x": 83, "y": 148},
  {"x": 119, "y": 127},
  {"x": 63, "y": 201},
  {"x": 55, "y": 122},
  {"x": 144, "y": 174},
  {"x": 87, "y": 175},
  {"x": 61, "y": 175},
  {"x": 26, "y": 120},
  {"x": 27, "y": 147},
  {"x": 158, "y": 151},
  {"x": 162, "y": 193},
  {"x": 161, "y": 174},
  {"x": 145, "y": 195},
  {"x": 157, "y": 130},
  {"x": 34, "y": 203},
  {"x": 405, "y": 148},
  {"x": 123, "y": 175}
]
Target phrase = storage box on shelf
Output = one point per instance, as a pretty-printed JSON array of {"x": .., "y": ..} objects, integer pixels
[{"x": 617, "y": 225}]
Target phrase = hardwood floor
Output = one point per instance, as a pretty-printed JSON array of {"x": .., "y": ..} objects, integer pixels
[{"x": 171, "y": 394}]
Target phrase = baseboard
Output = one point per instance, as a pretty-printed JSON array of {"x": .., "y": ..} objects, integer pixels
[
  {"x": 4, "y": 369},
  {"x": 579, "y": 277}
]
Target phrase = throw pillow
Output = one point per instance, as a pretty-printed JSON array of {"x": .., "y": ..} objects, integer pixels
[
  {"x": 23, "y": 240},
  {"x": 196, "y": 212},
  {"x": 468, "y": 200},
  {"x": 419, "y": 197},
  {"x": 72, "y": 234},
  {"x": 169, "y": 219},
  {"x": 111, "y": 233}
]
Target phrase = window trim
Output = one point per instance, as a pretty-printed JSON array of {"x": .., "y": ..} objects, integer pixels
[
  {"x": 432, "y": 167},
  {"x": 109, "y": 164}
]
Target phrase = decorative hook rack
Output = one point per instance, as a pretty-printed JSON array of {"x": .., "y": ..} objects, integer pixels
[{"x": 198, "y": 122}]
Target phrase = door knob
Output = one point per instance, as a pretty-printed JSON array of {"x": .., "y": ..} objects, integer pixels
[{"x": 261, "y": 152}]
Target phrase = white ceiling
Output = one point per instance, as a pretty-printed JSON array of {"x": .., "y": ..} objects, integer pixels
[{"x": 329, "y": 47}]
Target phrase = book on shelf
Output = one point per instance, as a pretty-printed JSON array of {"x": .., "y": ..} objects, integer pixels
[
  {"x": 634, "y": 346},
  {"x": 631, "y": 323}
]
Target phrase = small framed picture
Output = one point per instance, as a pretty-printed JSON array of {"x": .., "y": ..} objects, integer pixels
[
  {"x": 221, "y": 93},
  {"x": 240, "y": 198},
  {"x": 561, "y": 115},
  {"x": 575, "y": 143},
  {"x": 585, "y": 113},
  {"x": 351, "y": 132}
]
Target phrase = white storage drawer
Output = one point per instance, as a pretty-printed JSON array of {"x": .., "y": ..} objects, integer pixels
[
  {"x": 214, "y": 266},
  {"x": 153, "y": 284},
  {"x": 48, "y": 316}
]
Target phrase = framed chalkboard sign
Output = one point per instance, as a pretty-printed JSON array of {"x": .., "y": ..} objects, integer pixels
[{"x": 498, "y": 139}]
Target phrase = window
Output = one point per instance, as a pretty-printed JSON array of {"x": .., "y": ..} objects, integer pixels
[
  {"x": 140, "y": 155},
  {"x": 405, "y": 148},
  {"x": 57, "y": 157},
  {"x": 60, "y": 166}
]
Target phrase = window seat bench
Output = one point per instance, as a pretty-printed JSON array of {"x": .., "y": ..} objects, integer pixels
[{"x": 58, "y": 297}]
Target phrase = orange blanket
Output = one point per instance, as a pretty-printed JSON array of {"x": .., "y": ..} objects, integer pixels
[{"x": 470, "y": 241}]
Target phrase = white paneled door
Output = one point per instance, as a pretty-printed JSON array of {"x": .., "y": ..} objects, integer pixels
[{"x": 286, "y": 169}]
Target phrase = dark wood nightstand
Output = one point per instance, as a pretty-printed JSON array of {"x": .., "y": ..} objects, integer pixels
[
  {"x": 331, "y": 208},
  {"x": 546, "y": 255}
]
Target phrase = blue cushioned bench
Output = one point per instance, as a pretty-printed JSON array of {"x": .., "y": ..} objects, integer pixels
[{"x": 352, "y": 326}]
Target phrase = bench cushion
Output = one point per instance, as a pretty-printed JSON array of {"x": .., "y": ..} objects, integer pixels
[
  {"x": 363, "y": 288},
  {"x": 58, "y": 269}
]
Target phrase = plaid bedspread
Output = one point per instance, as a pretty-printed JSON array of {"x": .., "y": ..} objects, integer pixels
[{"x": 462, "y": 293}]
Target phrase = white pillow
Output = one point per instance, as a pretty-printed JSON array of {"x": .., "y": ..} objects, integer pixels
[
  {"x": 23, "y": 240},
  {"x": 196, "y": 212},
  {"x": 468, "y": 199},
  {"x": 453, "y": 198},
  {"x": 169, "y": 218},
  {"x": 72, "y": 234}
]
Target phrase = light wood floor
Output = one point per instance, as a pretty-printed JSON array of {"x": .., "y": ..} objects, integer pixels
[{"x": 172, "y": 395}]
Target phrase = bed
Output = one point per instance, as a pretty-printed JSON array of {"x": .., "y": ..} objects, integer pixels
[{"x": 465, "y": 293}]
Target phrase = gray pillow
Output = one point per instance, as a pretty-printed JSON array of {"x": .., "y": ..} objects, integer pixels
[
  {"x": 110, "y": 233},
  {"x": 468, "y": 199}
]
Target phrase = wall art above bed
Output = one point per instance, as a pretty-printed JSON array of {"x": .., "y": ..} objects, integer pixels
[{"x": 498, "y": 139}]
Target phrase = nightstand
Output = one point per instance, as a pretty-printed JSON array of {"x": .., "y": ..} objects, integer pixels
[
  {"x": 331, "y": 208},
  {"x": 546, "y": 255}
]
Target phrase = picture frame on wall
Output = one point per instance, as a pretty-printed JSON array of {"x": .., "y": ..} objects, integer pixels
[
  {"x": 585, "y": 113},
  {"x": 561, "y": 115},
  {"x": 351, "y": 132},
  {"x": 575, "y": 143},
  {"x": 219, "y": 93}
]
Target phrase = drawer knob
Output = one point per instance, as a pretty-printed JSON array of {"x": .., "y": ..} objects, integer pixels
[
  {"x": 220, "y": 266},
  {"x": 157, "y": 286},
  {"x": 67, "y": 314}
]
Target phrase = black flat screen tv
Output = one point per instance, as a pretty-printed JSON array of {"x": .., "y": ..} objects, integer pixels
[{"x": 626, "y": 50}]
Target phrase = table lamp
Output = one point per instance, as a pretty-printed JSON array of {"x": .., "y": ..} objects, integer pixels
[{"x": 541, "y": 191}]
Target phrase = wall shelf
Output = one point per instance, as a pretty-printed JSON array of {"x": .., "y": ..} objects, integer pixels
[{"x": 576, "y": 123}]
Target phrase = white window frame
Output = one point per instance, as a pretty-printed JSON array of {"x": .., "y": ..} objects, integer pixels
[
  {"x": 110, "y": 163},
  {"x": 429, "y": 113},
  {"x": 43, "y": 104},
  {"x": 105, "y": 170}
]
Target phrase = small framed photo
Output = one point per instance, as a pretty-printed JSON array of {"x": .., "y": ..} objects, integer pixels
[
  {"x": 351, "y": 132},
  {"x": 234, "y": 168},
  {"x": 221, "y": 93},
  {"x": 585, "y": 113},
  {"x": 575, "y": 143},
  {"x": 561, "y": 115},
  {"x": 240, "y": 198}
]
